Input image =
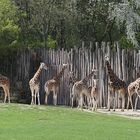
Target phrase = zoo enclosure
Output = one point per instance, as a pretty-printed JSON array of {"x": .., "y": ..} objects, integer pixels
[{"x": 125, "y": 63}]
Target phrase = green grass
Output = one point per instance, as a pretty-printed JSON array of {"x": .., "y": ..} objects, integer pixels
[{"x": 23, "y": 122}]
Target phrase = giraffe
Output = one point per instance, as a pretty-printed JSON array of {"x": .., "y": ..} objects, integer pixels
[
  {"x": 72, "y": 80},
  {"x": 115, "y": 84},
  {"x": 5, "y": 84},
  {"x": 53, "y": 85},
  {"x": 94, "y": 95},
  {"x": 80, "y": 88},
  {"x": 133, "y": 87},
  {"x": 35, "y": 84}
]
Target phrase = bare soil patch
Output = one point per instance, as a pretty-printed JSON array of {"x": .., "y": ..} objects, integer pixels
[{"x": 126, "y": 113}]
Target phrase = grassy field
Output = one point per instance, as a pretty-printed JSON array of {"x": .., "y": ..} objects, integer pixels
[{"x": 25, "y": 122}]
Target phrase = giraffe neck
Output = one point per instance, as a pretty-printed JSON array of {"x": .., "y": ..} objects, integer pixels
[
  {"x": 59, "y": 75},
  {"x": 72, "y": 79},
  {"x": 37, "y": 74},
  {"x": 111, "y": 73},
  {"x": 85, "y": 80}
]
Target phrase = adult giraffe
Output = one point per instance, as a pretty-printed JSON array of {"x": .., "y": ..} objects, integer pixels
[
  {"x": 35, "y": 84},
  {"x": 133, "y": 87},
  {"x": 115, "y": 84},
  {"x": 53, "y": 85}
]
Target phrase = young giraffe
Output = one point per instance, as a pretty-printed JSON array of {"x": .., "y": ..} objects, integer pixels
[
  {"x": 53, "y": 85},
  {"x": 72, "y": 80},
  {"x": 35, "y": 84},
  {"x": 133, "y": 87},
  {"x": 94, "y": 95},
  {"x": 115, "y": 84},
  {"x": 5, "y": 84},
  {"x": 79, "y": 89}
]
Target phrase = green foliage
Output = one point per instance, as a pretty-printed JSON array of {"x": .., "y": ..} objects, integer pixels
[
  {"x": 9, "y": 29},
  {"x": 51, "y": 43},
  {"x": 138, "y": 36},
  {"x": 64, "y": 23},
  {"x": 125, "y": 43},
  {"x": 9, "y": 33}
]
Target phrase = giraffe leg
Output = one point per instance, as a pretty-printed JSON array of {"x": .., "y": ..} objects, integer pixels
[
  {"x": 78, "y": 101},
  {"x": 5, "y": 94},
  {"x": 131, "y": 103},
  {"x": 136, "y": 100},
  {"x": 123, "y": 102},
  {"x": 81, "y": 101},
  {"x": 32, "y": 101},
  {"x": 90, "y": 103},
  {"x": 129, "y": 99},
  {"x": 128, "y": 102},
  {"x": 114, "y": 104},
  {"x": 5, "y": 98},
  {"x": 32, "y": 92},
  {"x": 72, "y": 96},
  {"x": 35, "y": 98},
  {"x": 109, "y": 100},
  {"x": 46, "y": 99},
  {"x": 8, "y": 93},
  {"x": 46, "y": 95},
  {"x": 93, "y": 102},
  {"x": 55, "y": 98},
  {"x": 38, "y": 97},
  {"x": 96, "y": 105}
]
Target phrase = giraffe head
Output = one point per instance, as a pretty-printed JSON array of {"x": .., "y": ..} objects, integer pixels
[
  {"x": 106, "y": 58},
  {"x": 65, "y": 65},
  {"x": 71, "y": 73},
  {"x": 43, "y": 66},
  {"x": 95, "y": 71}
]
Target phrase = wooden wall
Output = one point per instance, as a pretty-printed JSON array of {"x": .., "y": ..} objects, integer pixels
[{"x": 125, "y": 63}]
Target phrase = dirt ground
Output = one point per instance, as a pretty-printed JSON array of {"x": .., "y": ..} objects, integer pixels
[{"x": 127, "y": 113}]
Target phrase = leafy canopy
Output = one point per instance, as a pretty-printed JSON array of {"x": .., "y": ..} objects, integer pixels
[{"x": 8, "y": 18}]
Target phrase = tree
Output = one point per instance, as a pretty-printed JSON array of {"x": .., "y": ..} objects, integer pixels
[
  {"x": 126, "y": 16},
  {"x": 41, "y": 20},
  {"x": 8, "y": 23}
]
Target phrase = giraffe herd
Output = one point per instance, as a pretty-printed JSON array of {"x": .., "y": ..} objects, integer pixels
[{"x": 79, "y": 89}]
